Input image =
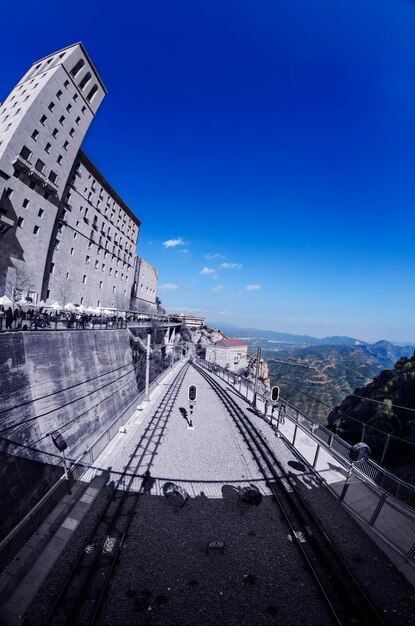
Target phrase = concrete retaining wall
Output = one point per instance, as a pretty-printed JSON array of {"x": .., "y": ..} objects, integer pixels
[{"x": 72, "y": 382}]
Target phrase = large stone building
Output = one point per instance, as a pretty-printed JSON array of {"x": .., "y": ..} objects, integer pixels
[{"x": 65, "y": 234}]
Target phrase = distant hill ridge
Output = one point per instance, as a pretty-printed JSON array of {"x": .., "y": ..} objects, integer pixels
[{"x": 317, "y": 374}]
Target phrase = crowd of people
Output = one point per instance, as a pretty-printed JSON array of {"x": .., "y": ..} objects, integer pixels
[{"x": 43, "y": 317}]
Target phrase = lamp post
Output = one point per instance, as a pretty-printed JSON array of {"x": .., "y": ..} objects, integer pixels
[
  {"x": 147, "y": 396},
  {"x": 61, "y": 445}
]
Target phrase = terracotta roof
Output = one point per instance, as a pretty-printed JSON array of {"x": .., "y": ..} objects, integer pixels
[{"x": 230, "y": 343}]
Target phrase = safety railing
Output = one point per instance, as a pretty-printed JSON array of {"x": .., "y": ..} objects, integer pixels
[{"x": 384, "y": 479}]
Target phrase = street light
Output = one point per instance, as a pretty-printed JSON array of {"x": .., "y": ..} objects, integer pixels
[{"x": 61, "y": 445}]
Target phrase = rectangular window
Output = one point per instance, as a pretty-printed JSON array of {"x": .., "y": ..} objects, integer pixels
[
  {"x": 75, "y": 235},
  {"x": 67, "y": 274},
  {"x": 59, "y": 94},
  {"x": 72, "y": 250},
  {"x": 71, "y": 132},
  {"x": 61, "y": 119},
  {"x": 75, "y": 97},
  {"x": 113, "y": 289},
  {"x": 47, "y": 294},
  {"x": 103, "y": 267},
  {"x": 55, "y": 133},
  {"x": 83, "y": 109},
  {"x": 66, "y": 84},
  {"x": 48, "y": 147},
  {"x": 78, "y": 119},
  {"x": 36, "y": 230},
  {"x": 87, "y": 258},
  {"x": 59, "y": 159},
  {"x": 35, "y": 134},
  {"x": 100, "y": 284},
  {"x": 43, "y": 120},
  {"x": 25, "y": 153},
  {"x": 51, "y": 106},
  {"x": 40, "y": 166},
  {"x": 25, "y": 203},
  {"x": 84, "y": 278},
  {"x": 20, "y": 221},
  {"x": 52, "y": 268},
  {"x": 65, "y": 145},
  {"x": 9, "y": 192},
  {"x": 53, "y": 177},
  {"x": 69, "y": 107},
  {"x": 40, "y": 213}
]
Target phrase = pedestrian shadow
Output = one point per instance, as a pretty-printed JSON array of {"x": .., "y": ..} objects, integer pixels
[{"x": 148, "y": 483}]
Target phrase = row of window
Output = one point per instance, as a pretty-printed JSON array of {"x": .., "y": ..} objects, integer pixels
[
  {"x": 104, "y": 212},
  {"x": 39, "y": 165},
  {"x": 91, "y": 243},
  {"x": 85, "y": 80}
]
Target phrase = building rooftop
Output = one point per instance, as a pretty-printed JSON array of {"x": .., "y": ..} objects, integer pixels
[{"x": 230, "y": 343}]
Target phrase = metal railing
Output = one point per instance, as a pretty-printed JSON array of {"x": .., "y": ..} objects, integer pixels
[{"x": 384, "y": 479}]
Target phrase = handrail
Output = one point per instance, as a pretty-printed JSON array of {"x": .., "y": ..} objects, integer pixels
[{"x": 384, "y": 479}]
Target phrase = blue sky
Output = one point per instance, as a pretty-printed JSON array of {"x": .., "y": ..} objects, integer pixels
[{"x": 273, "y": 143}]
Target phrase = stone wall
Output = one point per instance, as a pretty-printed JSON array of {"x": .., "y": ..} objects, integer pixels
[{"x": 74, "y": 382}]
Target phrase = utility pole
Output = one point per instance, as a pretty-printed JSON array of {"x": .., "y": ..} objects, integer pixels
[
  {"x": 146, "y": 396},
  {"x": 258, "y": 357}
]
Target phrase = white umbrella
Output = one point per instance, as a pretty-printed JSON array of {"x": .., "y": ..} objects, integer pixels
[
  {"x": 56, "y": 306},
  {"x": 5, "y": 301},
  {"x": 69, "y": 307},
  {"x": 81, "y": 308}
]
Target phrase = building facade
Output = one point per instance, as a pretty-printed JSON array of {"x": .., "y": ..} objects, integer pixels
[
  {"x": 229, "y": 353},
  {"x": 65, "y": 234},
  {"x": 144, "y": 292}
]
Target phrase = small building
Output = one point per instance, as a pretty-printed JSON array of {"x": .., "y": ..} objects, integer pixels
[
  {"x": 229, "y": 353},
  {"x": 191, "y": 321}
]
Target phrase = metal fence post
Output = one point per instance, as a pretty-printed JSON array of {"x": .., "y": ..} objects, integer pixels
[
  {"x": 316, "y": 456},
  {"x": 385, "y": 447},
  {"x": 295, "y": 433}
]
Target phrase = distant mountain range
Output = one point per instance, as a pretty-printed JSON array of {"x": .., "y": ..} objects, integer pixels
[{"x": 316, "y": 374}]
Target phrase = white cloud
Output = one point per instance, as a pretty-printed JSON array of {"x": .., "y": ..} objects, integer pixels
[
  {"x": 218, "y": 288},
  {"x": 173, "y": 243},
  {"x": 216, "y": 255},
  {"x": 169, "y": 286},
  {"x": 207, "y": 270},
  {"x": 252, "y": 287},
  {"x": 230, "y": 266}
]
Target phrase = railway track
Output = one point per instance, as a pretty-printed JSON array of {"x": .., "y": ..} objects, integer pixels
[
  {"x": 85, "y": 587},
  {"x": 344, "y": 596}
]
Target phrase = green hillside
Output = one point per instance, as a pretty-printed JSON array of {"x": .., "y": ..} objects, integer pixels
[
  {"x": 317, "y": 378},
  {"x": 385, "y": 407}
]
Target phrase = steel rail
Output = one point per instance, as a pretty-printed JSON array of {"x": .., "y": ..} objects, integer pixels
[
  {"x": 345, "y": 598},
  {"x": 84, "y": 569}
]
